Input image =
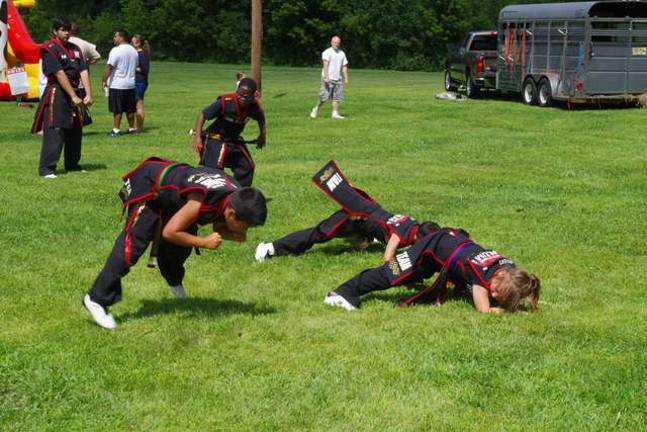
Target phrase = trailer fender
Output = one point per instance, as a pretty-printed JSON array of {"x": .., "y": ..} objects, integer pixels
[{"x": 553, "y": 78}]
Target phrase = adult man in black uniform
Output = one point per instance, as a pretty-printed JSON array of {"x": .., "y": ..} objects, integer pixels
[
  {"x": 221, "y": 145},
  {"x": 172, "y": 199},
  {"x": 361, "y": 218},
  {"x": 60, "y": 113}
]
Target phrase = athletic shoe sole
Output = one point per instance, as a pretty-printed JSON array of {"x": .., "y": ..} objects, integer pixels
[
  {"x": 334, "y": 299},
  {"x": 99, "y": 314}
]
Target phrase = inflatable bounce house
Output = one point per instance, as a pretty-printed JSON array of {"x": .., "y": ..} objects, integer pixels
[{"x": 16, "y": 45}]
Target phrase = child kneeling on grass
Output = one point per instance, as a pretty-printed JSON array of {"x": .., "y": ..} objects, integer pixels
[
  {"x": 169, "y": 200},
  {"x": 456, "y": 258},
  {"x": 361, "y": 219}
]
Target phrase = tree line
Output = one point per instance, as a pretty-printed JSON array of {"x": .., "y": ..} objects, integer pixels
[{"x": 392, "y": 34}]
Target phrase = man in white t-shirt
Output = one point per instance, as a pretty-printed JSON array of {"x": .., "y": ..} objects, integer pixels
[
  {"x": 335, "y": 66},
  {"x": 88, "y": 49},
  {"x": 119, "y": 77}
]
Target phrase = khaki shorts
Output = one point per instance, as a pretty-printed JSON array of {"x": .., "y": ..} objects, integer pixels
[{"x": 334, "y": 90}]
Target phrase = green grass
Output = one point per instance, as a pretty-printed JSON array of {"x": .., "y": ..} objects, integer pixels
[{"x": 253, "y": 348}]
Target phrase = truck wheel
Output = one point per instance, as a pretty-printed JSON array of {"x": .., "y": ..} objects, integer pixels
[
  {"x": 449, "y": 85},
  {"x": 471, "y": 90},
  {"x": 545, "y": 93},
  {"x": 529, "y": 92}
]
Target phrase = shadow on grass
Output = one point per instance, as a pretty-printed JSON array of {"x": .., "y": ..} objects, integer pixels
[
  {"x": 396, "y": 297},
  {"x": 196, "y": 306},
  {"x": 342, "y": 248},
  {"x": 562, "y": 105},
  {"x": 88, "y": 167}
]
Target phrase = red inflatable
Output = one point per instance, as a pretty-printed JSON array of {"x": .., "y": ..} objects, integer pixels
[
  {"x": 19, "y": 47},
  {"x": 21, "y": 42}
]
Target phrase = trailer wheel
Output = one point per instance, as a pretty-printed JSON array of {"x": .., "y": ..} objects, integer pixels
[
  {"x": 545, "y": 93},
  {"x": 529, "y": 92},
  {"x": 472, "y": 91},
  {"x": 449, "y": 85}
]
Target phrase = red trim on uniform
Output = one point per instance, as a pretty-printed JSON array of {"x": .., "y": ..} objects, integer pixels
[
  {"x": 222, "y": 157},
  {"x": 334, "y": 229},
  {"x": 485, "y": 283},
  {"x": 246, "y": 154},
  {"x": 50, "y": 109},
  {"x": 38, "y": 125},
  {"x": 128, "y": 238},
  {"x": 332, "y": 197}
]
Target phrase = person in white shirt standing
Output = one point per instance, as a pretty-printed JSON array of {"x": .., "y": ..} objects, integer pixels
[
  {"x": 119, "y": 77},
  {"x": 335, "y": 66}
]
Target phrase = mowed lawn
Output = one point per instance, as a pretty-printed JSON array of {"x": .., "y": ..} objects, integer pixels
[{"x": 561, "y": 192}]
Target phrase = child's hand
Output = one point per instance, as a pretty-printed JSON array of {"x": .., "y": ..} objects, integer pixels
[{"x": 212, "y": 241}]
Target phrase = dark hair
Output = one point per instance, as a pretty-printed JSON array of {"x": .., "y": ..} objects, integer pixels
[
  {"x": 249, "y": 83},
  {"x": 74, "y": 29},
  {"x": 428, "y": 227},
  {"x": 123, "y": 34},
  {"x": 61, "y": 23},
  {"x": 250, "y": 206}
]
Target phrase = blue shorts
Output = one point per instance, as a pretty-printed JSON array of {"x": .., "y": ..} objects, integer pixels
[{"x": 140, "y": 89}]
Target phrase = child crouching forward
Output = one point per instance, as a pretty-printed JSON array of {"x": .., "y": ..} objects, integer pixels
[{"x": 456, "y": 258}]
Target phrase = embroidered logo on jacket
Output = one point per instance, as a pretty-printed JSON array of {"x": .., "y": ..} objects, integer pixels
[
  {"x": 210, "y": 181},
  {"x": 326, "y": 175},
  {"x": 486, "y": 258},
  {"x": 396, "y": 220},
  {"x": 404, "y": 261},
  {"x": 335, "y": 181}
]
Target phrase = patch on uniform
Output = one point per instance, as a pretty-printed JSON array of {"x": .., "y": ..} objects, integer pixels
[
  {"x": 393, "y": 266},
  {"x": 210, "y": 180},
  {"x": 404, "y": 261},
  {"x": 326, "y": 174},
  {"x": 334, "y": 181},
  {"x": 396, "y": 220},
  {"x": 505, "y": 261},
  {"x": 486, "y": 258}
]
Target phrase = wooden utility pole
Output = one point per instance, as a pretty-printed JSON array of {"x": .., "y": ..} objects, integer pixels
[{"x": 257, "y": 37}]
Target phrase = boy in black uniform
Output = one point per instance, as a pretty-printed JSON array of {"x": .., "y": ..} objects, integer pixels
[
  {"x": 59, "y": 114},
  {"x": 172, "y": 199},
  {"x": 451, "y": 253},
  {"x": 221, "y": 145},
  {"x": 361, "y": 219}
]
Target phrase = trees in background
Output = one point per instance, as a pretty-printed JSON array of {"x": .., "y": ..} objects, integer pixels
[{"x": 395, "y": 34}]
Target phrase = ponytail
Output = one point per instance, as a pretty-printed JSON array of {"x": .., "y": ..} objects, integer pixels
[{"x": 534, "y": 286}]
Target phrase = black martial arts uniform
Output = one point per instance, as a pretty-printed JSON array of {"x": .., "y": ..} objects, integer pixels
[
  {"x": 152, "y": 193},
  {"x": 361, "y": 217},
  {"x": 223, "y": 145},
  {"x": 57, "y": 117},
  {"x": 447, "y": 251}
]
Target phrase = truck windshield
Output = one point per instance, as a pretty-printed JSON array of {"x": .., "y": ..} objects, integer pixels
[{"x": 483, "y": 43}]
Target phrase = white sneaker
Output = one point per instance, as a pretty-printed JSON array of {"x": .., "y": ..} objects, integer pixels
[
  {"x": 314, "y": 113},
  {"x": 264, "y": 251},
  {"x": 50, "y": 176},
  {"x": 98, "y": 313},
  {"x": 178, "y": 291},
  {"x": 334, "y": 299},
  {"x": 336, "y": 115}
]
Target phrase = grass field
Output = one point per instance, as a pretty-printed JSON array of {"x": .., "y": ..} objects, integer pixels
[{"x": 254, "y": 348}]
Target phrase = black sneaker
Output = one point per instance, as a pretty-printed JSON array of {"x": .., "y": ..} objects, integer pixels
[{"x": 115, "y": 134}]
